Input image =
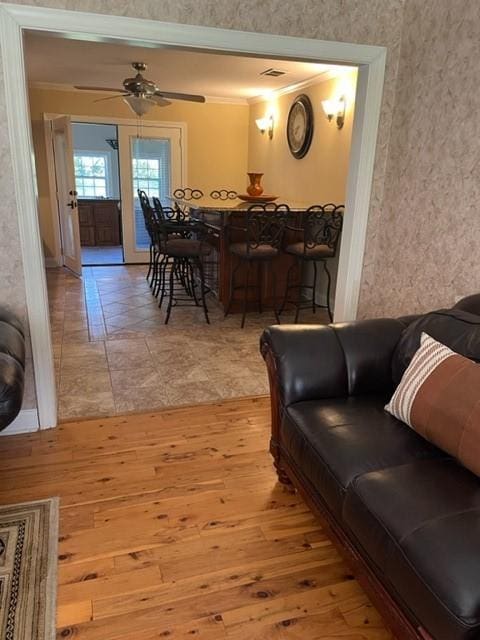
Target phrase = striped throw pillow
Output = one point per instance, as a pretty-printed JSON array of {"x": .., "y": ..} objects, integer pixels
[{"x": 439, "y": 397}]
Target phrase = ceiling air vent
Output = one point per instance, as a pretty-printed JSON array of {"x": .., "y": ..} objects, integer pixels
[{"x": 272, "y": 72}]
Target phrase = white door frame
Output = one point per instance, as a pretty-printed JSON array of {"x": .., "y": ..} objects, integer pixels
[
  {"x": 15, "y": 18},
  {"x": 48, "y": 117}
]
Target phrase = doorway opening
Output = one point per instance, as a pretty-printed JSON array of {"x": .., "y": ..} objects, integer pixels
[
  {"x": 121, "y": 309},
  {"x": 371, "y": 61},
  {"x": 97, "y": 183}
]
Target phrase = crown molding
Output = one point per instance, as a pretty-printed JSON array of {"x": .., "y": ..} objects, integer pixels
[
  {"x": 226, "y": 100},
  {"x": 68, "y": 88},
  {"x": 329, "y": 74}
]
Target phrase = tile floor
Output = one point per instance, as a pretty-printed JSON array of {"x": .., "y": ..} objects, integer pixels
[
  {"x": 115, "y": 355},
  {"x": 102, "y": 255}
]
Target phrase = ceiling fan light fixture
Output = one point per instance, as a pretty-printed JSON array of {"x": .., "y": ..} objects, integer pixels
[{"x": 140, "y": 106}]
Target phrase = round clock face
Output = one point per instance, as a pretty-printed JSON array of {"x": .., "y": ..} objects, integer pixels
[{"x": 300, "y": 126}]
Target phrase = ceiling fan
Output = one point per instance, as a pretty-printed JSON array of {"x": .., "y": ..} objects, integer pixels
[{"x": 141, "y": 94}]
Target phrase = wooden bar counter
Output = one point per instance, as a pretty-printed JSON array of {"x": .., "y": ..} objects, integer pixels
[{"x": 219, "y": 216}]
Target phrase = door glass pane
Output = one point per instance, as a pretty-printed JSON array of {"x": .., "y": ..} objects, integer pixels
[{"x": 151, "y": 170}]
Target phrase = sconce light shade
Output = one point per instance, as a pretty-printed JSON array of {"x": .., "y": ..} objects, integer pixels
[
  {"x": 265, "y": 124},
  {"x": 335, "y": 108},
  {"x": 140, "y": 106}
]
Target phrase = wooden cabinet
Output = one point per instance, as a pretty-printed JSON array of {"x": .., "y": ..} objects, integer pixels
[{"x": 99, "y": 222}]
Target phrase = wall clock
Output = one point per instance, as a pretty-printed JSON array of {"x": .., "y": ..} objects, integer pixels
[{"x": 300, "y": 126}]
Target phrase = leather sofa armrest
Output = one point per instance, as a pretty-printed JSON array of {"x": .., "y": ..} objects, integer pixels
[
  {"x": 308, "y": 362},
  {"x": 304, "y": 362},
  {"x": 12, "y": 367},
  {"x": 12, "y": 379}
]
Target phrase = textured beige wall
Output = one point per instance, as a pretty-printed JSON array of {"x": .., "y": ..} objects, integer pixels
[
  {"x": 217, "y": 139},
  {"x": 376, "y": 22},
  {"x": 321, "y": 175},
  {"x": 428, "y": 241}
]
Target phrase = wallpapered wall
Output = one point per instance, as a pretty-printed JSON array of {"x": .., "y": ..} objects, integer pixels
[
  {"x": 429, "y": 231},
  {"x": 377, "y": 22}
]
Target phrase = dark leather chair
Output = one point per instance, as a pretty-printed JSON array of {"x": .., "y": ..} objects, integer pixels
[
  {"x": 12, "y": 367},
  {"x": 320, "y": 234},
  {"x": 263, "y": 234},
  {"x": 406, "y": 513}
]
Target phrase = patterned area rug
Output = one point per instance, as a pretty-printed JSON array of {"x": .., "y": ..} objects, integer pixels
[{"x": 28, "y": 570}]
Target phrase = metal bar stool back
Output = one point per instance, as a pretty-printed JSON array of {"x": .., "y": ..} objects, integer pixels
[
  {"x": 321, "y": 230},
  {"x": 263, "y": 229},
  {"x": 223, "y": 194}
]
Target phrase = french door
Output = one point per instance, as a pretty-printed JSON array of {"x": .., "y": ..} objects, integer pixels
[
  {"x": 150, "y": 160},
  {"x": 66, "y": 194}
]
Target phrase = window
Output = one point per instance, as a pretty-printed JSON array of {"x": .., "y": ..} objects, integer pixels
[
  {"x": 91, "y": 174},
  {"x": 146, "y": 176}
]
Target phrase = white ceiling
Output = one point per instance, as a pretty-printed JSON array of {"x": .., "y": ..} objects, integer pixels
[{"x": 59, "y": 61}]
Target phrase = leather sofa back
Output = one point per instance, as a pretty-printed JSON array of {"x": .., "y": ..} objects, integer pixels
[
  {"x": 315, "y": 361},
  {"x": 470, "y": 304},
  {"x": 456, "y": 328}
]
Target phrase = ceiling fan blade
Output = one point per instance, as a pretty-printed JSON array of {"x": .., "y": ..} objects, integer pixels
[
  {"x": 99, "y": 89},
  {"x": 161, "y": 101},
  {"x": 120, "y": 95},
  {"x": 180, "y": 96}
]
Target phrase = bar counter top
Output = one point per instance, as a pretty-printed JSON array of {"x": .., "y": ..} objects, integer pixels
[{"x": 216, "y": 204}]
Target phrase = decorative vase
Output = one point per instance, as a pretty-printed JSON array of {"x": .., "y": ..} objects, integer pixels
[{"x": 255, "y": 188}]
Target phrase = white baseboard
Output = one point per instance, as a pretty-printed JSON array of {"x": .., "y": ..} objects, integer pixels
[
  {"x": 51, "y": 263},
  {"x": 25, "y": 422}
]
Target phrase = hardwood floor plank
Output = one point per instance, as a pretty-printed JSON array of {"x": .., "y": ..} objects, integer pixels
[
  {"x": 173, "y": 525},
  {"x": 265, "y": 577},
  {"x": 74, "y": 613},
  {"x": 120, "y": 584}
]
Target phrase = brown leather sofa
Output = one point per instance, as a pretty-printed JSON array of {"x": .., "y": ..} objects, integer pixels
[
  {"x": 405, "y": 514},
  {"x": 12, "y": 367}
]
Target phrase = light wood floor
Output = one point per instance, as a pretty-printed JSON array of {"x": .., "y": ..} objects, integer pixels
[{"x": 173, "y": 526}]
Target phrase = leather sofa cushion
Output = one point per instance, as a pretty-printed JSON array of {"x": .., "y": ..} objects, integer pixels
[
  {"x": 334, "y": 441},
  {"x": 419, "y": 524},
  {"x": 457, "y": 329}
]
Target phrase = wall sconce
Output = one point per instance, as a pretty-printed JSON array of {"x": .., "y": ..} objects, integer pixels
[
  {"x": 335, "y": 109},
  {"x": 265, "y": 124}
]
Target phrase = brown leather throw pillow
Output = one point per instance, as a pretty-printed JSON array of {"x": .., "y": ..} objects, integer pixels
[{"x": 439, "y": 397}]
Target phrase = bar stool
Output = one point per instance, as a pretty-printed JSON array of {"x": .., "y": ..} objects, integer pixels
[
  {"x": 183, "y": 255},
  {"x": 321, "y": 229},
  {"x": 178, "y": 246},
  {"x": 263, "y": 229},
  {"x": 150, "y": 220}
]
